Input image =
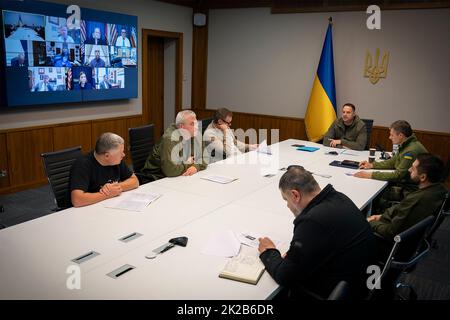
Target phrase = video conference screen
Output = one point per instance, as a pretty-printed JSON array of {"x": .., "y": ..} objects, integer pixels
[{"x": 48, "y": 60}]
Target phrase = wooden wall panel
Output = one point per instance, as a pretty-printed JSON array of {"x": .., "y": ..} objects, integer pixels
[
  {"x": 134, "y": 122},
  {"x": 155, "y": 85},
  {"x": 436, "y": 142},
  {"x": 24, "y": 155},
  {"x": 4, "y": 181},
  {"x": 117, "y": 126},
  {"x": 199, "y": 65},
  {"x": 131, "y": 123},
  {"x": 72, "y": 135},
  {"x": 20, "y": 149}
]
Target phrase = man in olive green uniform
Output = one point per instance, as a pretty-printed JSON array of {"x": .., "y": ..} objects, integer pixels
[
  {"x": 426, "y": 171},
  {"x": 347, "y": 132},
  {"x": 399, "y": 181},
  {"x": 179, "y": 152}
]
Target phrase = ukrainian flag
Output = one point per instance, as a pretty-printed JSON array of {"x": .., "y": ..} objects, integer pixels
[{"x": 321, "y": 111}]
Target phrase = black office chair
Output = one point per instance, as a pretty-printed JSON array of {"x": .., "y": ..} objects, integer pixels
[
  {"x": 340, "y": 292},
  {"x": 444, "y": 212},
  {"x": 141, "y": 142},
  {"x": 2, "y": 209},
  {"x": 57, "y": 166},
  {"x": 369, "y": 126},
  {"x": 410, "y": 246},
  {"x": 205, "y": 123}
]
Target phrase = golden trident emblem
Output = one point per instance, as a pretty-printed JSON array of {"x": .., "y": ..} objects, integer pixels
[{"x": 372, "y": 69}]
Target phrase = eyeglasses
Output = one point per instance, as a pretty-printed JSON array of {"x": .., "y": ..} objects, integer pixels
[{"x": 228, "y": 123}]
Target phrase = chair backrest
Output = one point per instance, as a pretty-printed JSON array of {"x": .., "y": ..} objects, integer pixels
[
  {"x": 205, "y": 123},
  {"x": 57, "y": 166},
  {"x": 443, "y": 213},
  {"x": 410, "y": 246},
  {"x": 141, "y": 142},
  {"x": 340, "y": 292},
  {"x": 369, "y": 126}
]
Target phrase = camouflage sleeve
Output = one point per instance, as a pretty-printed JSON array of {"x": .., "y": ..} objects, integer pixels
[
  {"x": 399, "y": 214},
  {"x": 172, "y": 167},
  {"x": 401, "y": 170}
]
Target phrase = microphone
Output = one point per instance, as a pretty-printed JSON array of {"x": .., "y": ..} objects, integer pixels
[{"x": 384, "y": 154}]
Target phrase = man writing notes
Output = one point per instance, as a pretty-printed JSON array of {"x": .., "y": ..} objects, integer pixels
[
  {"x": 332, "y": 240},
  {"x": 348, "y": 132}
]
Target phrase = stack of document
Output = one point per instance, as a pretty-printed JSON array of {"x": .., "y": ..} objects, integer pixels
[
  {"x": 263, "y": 148},
  {"x": 134, "y": 201}
]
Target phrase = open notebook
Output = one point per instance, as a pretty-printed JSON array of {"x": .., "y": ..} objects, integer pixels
[{"x": 245, "y": 267}]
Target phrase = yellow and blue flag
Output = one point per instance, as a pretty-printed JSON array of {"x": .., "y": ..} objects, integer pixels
[{"x": 321, "y": 111}]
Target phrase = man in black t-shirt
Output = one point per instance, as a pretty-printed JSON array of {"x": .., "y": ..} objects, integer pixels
[
  {"x": 332, "y": 240},
  {"x": 102, "y": 173}
]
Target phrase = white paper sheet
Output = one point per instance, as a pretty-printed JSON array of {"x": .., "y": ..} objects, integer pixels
[
  {"x": 263, "y": 148},
  {"x": 250, "y": 238},
  {"x": 222, "y": 244}
]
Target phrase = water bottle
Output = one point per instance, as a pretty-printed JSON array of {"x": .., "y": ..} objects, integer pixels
[{"x": 394, "y": 149}]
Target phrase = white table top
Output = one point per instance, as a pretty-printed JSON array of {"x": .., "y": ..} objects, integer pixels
[{"x": 36, "y": 254}]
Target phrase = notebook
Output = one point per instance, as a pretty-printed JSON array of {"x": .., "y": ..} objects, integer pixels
[
  {"x": 345, "y": 164},
  {"x": 245, "y": 267},
  {"x": 308, "y": 149}
]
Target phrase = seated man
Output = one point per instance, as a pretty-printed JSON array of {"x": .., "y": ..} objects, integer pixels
[
  {"x": 332, "y": 241},
  {"x": 347, "y": 132},
  {"x": 179, "y": 152},
  {"x": 64, "y": 36},
  {"x": 427, "y": 172},
  {"x": 96, "y": 38},
  {"x": 122, "y": 40},
  {"x": 102, "y": 173},
  {"x": 44, "y": 85},
  {"x": 399, "y": 180},
  {"x": 62, "y": 60},
  {"x": 19, "y": 61},
  {"x": 97, "y": 62},
  {"x": 105, "y": 84},
  {"x": 220, "y": 137}
]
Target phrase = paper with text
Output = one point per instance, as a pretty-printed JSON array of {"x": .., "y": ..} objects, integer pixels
[{"x": 133, "y": 201}]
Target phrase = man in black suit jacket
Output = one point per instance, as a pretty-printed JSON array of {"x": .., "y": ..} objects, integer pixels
[
  {"x": 96, "y": 38},
  {"x": 332, "y": 240}
]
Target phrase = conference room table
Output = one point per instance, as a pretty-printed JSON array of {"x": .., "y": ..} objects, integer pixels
[{"x": 37, "y": 256}]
